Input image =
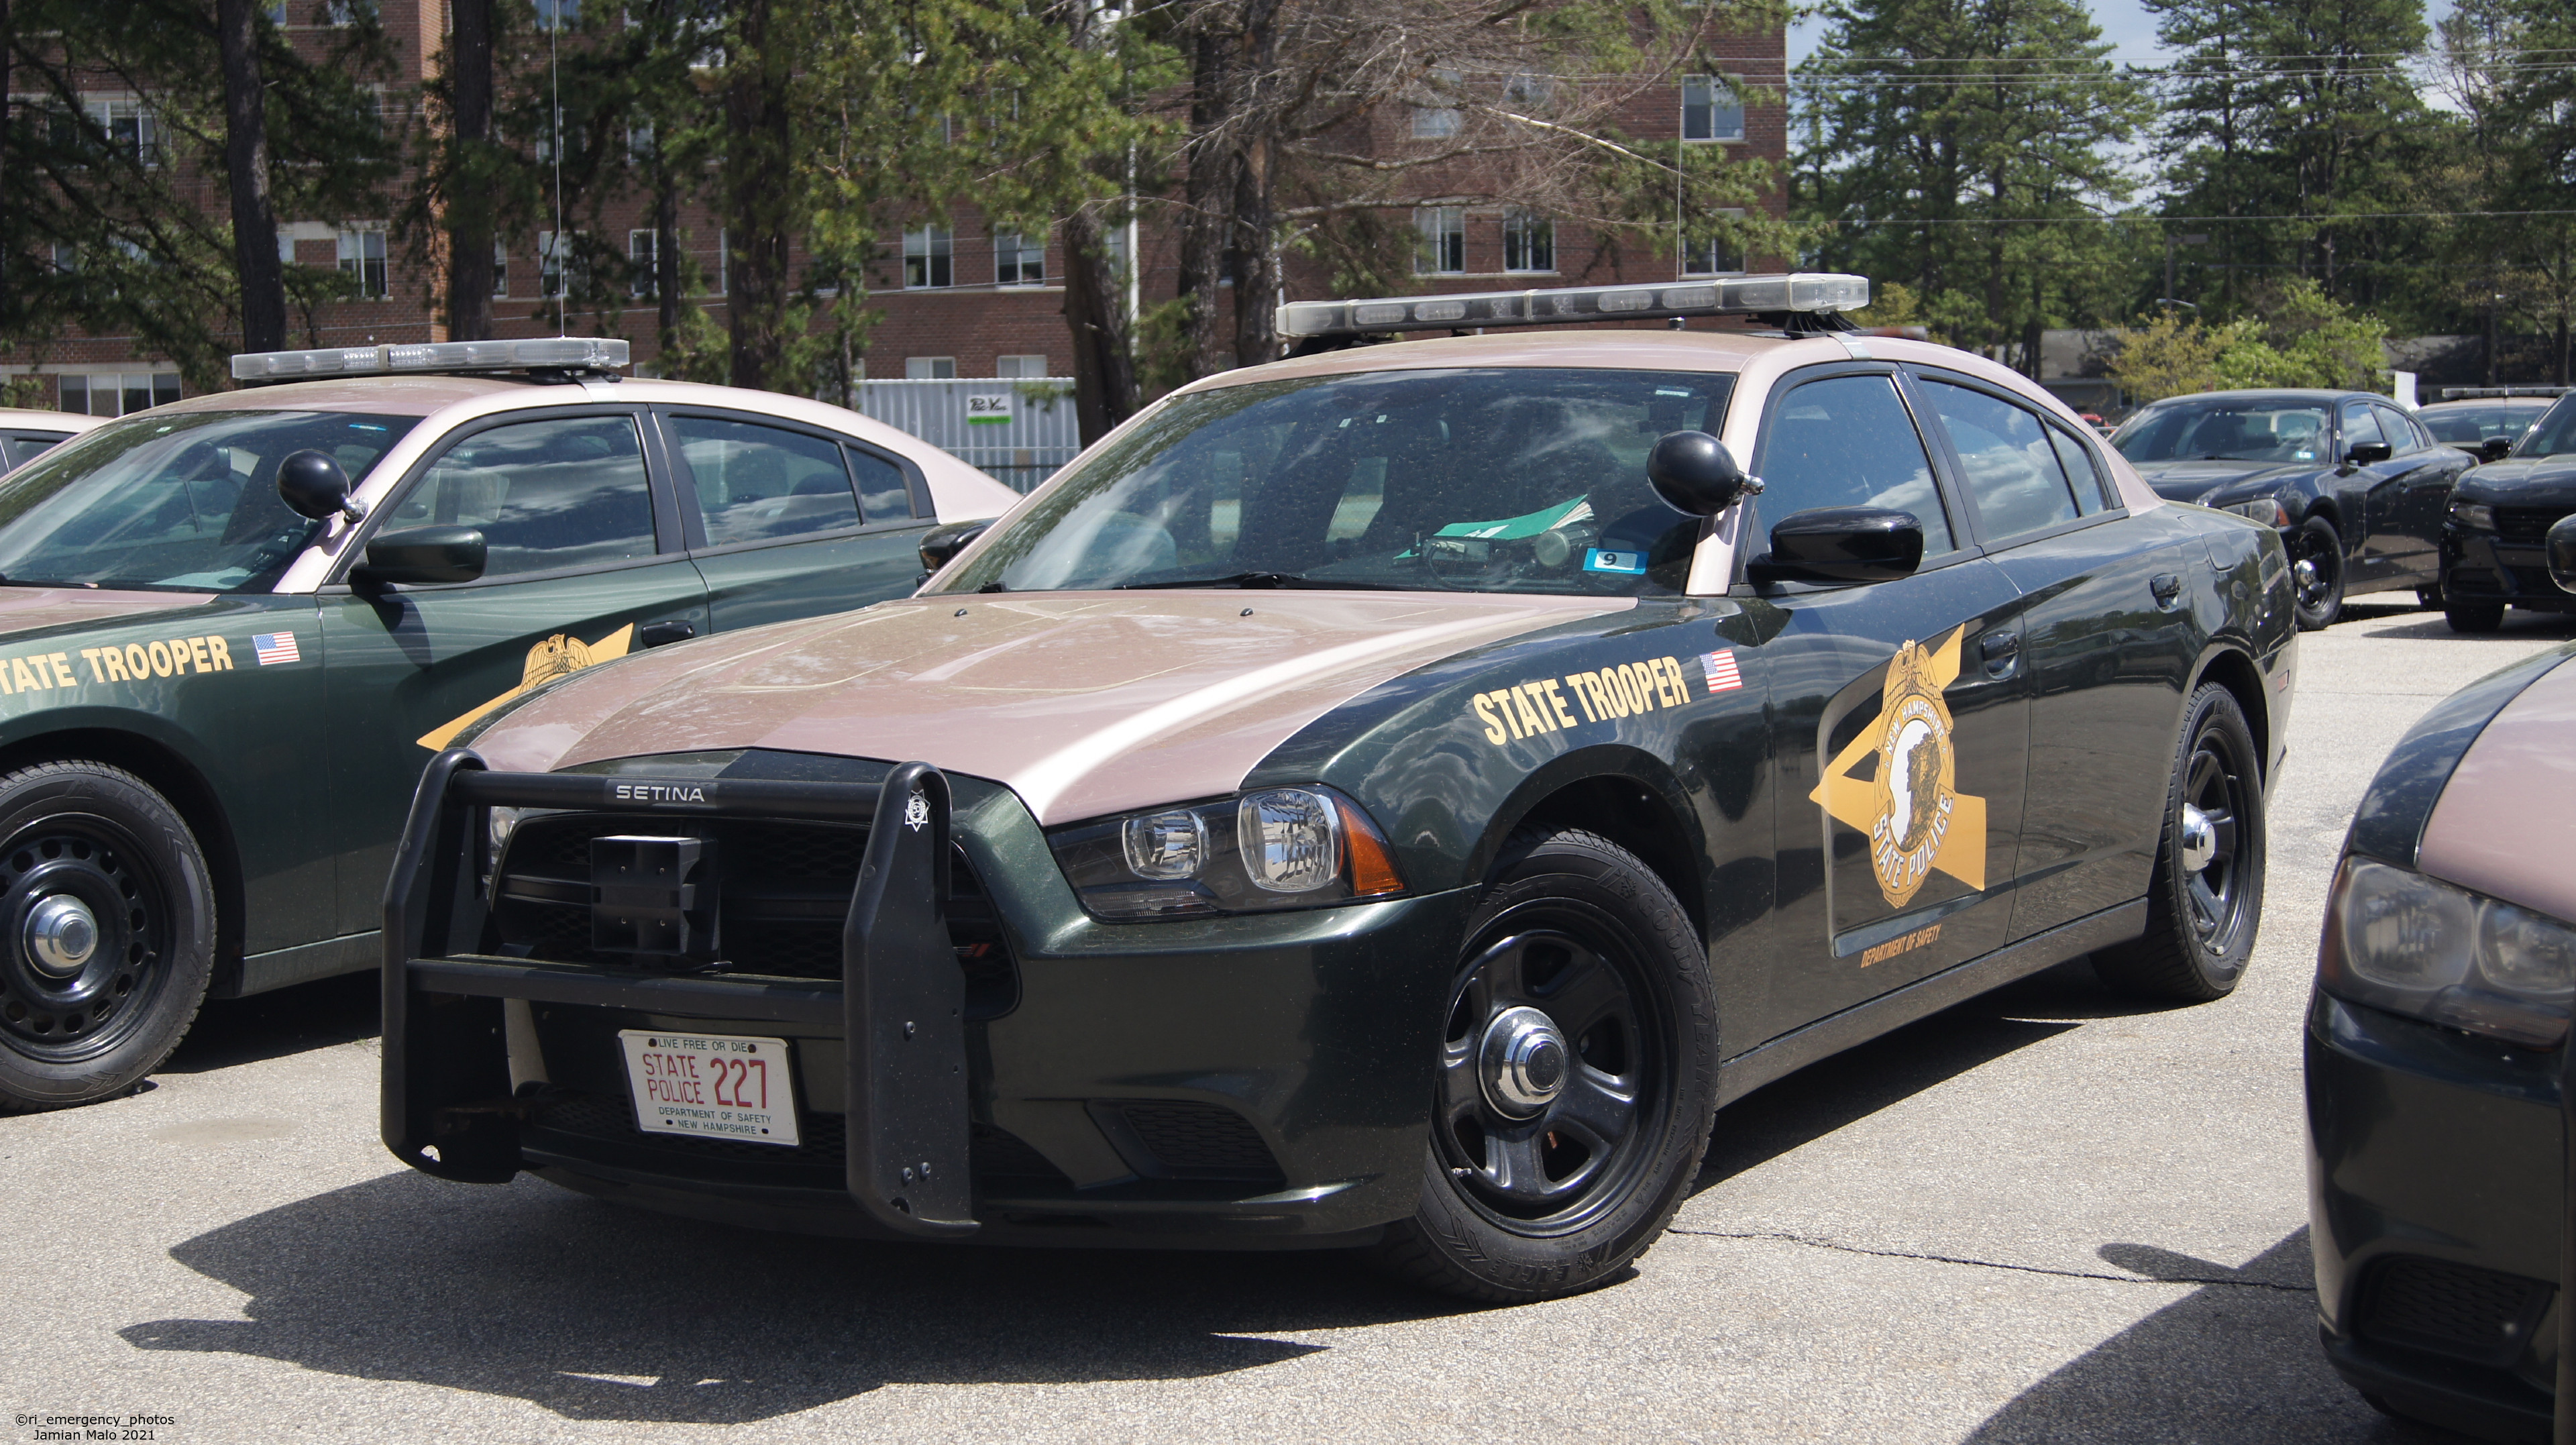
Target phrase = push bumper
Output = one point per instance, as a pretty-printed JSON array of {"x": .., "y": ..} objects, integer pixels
[{"x": 2485, "y": 569}]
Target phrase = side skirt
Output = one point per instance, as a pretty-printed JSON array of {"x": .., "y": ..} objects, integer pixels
[
  {"x": 277, "y": 968},
  {"x": 1860, "y": 1023}
]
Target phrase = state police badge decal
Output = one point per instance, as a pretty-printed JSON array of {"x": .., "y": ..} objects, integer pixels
[{"x": 1911, "y": 808}]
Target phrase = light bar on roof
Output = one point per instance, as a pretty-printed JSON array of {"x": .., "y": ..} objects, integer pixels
[
  {"x": 534, "y": 353},
  {"x": 1728, "y": 296}
]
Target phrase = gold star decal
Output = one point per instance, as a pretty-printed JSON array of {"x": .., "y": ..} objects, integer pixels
[
  {"x": 1916, "y": 818},
  {"x": 561, "y": 655}
]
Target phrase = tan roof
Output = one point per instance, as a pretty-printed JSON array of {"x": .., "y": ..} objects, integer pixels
[
  {"x": 391, "y": 395},
  {"x": 1609, "y": 349}
]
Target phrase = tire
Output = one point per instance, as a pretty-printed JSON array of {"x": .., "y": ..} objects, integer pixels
[
  {"x": 1527, "y": 1199},
  {"x": 2474, "y": 619},
  {"x": 81, "y": 840},
  {"x": 2318, "y": 595},
  {"x": 2201, "y": 915}
]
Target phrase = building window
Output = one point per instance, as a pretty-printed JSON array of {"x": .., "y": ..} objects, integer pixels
[
  {"x": 1713, "y": 255},
  {"x": 557, "y": 253},
  {"x": 639, "y": 143},
  {"x": 1019, "y": 367},
  {"x": 643, "y": 257},
  {"x": 1438, "y": 122},
  {"x": 1529, "y": 242},
  {"x": 275, "y": 10},
  {"x": 113, "y": 393},
  {"x": 926, "y": 258},
  {"x": 362, "y": 259},
  {"x": 131, "y": 128},
  {"x": 500, "y": 270},
  {"x": 1711, "y": 110},
  {"x": 555, "y": 14},
  {"x": 547, "y": 136},
  {"x": 353, "y": 12},
  {"x": 1018, "y": 260},
  {"x": 1443, "y": 249},
  {"x": 929, "y": 368},
  {"x": 724, "y": 262},
  {"x": 1528, "y": 93}
]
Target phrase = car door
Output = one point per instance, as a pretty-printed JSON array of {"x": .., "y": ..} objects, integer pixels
[
  {"x": 2419, "y": 493},
  {"x": 788, "y": 521},
  {"x": 1900, "y": 722},
  {"x": 2375, "y": 493},
  {"x": 585, "y": 565},
  {"x": 2105, "y": 646}
]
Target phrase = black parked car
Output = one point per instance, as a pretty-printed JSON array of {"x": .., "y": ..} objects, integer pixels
[
  {"x": 2486, "y": 427},
  {"x": 2491, "y": 546},
  {"x": 2356, "y": 484}
]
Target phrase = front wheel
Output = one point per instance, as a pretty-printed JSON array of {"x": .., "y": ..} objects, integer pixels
[
  {"x": 1577, "y": 1079},
  {"x": 2205, "y": 897},
  {"x": 2316, "y": 573},
  {"x": 107, "y": 933}
]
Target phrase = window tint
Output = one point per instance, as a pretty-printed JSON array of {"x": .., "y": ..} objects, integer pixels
[
  {"x": 20, "y": 450},
  {"x": 546, "y": 494},
  {"x": 2092, "y": 490},
  {"x": 2359, "y": 428},
  {"x": 2011, "y": 468},
  {"x": 757, "y": 483},
  {"x": 883, "y": 494},
  {"x": 1849, "y": 442}
]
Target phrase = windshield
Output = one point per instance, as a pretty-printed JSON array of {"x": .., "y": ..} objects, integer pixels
[
  {"x": 187, "y": 502},
  {"x": 2469, "y": 425},
  {"x": 1505, "y": 480},
  {"x": 2244, "y": 430},
  {"x": 2554, "y": 434}
]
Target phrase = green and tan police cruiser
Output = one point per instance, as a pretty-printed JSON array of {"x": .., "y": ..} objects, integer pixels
[
  {"x": 235, "y": 628},
  {"x": 1387, "y": 798}
]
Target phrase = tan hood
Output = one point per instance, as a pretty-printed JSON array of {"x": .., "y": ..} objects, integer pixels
[
  {"x": 2507, "y": 818},
  {"x": 1083, "y": 703},
  {"x": 25, "y": 609}
]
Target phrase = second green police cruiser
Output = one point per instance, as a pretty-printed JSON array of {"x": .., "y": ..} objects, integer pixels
[
  {"x": 234, "y": 628},
  {"x": 1389, "y": 799}
]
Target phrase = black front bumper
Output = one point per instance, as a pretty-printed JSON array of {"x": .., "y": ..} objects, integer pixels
[
  {"x": 2509, "y": 568},
  {"x": 2433, "y": 1191},
  {"x": 1231, "y": 1082}
]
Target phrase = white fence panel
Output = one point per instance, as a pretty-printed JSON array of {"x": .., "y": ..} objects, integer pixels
[{"x": 1017, "y": 430}]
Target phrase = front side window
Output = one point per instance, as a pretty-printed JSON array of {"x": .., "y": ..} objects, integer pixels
[
  {"x": 1848, "y": 441},
  {"x": 1499, "y": 480},
  {"x": 759, "y": 483},
  {"x": 564, "y": 492},
  {"x": 1443, "y": 246},
  {"x": 187, "y": 502},
  {"x": 926, "y": 258},
  {"x": 2554, "y": 434},
  {"x": 2006, "y": 459},
  {"x": 2360, "y": 428},
  {"x": 2236, "y": 429}
]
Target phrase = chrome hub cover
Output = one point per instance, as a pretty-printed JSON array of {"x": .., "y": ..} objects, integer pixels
[
  {"x": 1523, "y": 1061},
  {"x": 60, "y": 935},
  {"x": 2199, "y": 839}
]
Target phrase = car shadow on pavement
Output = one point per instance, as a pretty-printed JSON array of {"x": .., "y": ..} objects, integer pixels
[
  {"x": 602, "y": 1313},
  {"x": 2236, "y": 1360},
  {"x": 2516, "y": 624},
  {"x": 273, "y": 1025}
]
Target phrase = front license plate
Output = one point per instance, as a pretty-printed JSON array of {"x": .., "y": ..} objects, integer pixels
[{"x": 711, "y": 1086}]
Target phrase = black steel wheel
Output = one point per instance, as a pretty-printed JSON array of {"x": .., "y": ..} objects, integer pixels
[
  {"x": 2316, "y": 574},
  {"x": 1576, "y": 1078},
  {"x": 107, "y": 930},
  {"x": 2205, "y": 897},
  {"x": 2474, "y": 619}
]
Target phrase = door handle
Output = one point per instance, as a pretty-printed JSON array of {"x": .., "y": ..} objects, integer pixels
[
  {"x": 2165, "y": 587},
  {"x": 2002, "y": 652},
  {"x": 676, "y": 629}
]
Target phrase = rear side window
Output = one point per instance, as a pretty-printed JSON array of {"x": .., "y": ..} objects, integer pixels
[
  {"x": 2092, "y": 489},
  {"x": 761, "y": 483},
  {"x": 883, "y": 494},
  {"x": 1848, "y": 441},
  {"x": 567, "y": 492},
  {"x": 2010, "y": 465}
]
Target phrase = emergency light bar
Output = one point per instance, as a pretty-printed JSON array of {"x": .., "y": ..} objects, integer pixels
[
  {"x": 1732, "y": 296},
  {"x": 535, "y": 353}
]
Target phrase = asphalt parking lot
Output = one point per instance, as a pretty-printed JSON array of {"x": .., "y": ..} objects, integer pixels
[{"x": 2046, "y": 1215}]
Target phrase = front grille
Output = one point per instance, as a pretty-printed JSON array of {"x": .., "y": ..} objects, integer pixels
[
  {"x": 2526, "y": 526},
  {"x": 995, "y": 1154},
  {"x": 785, "y": 894},
  {"x": 1194, "y": 1140},
  {"x": 2452, "y": 1309}
]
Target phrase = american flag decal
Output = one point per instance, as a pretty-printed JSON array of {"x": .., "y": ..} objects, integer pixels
[
  {"x": 1720, "y": 667},
  {"x": 275, "y": 647}
]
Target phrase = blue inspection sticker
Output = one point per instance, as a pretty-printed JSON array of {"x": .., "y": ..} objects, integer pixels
[{"x": 1599, "y": 559}]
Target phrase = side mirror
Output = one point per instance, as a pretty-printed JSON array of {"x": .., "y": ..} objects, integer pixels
[
  {"x": 947, "y": 540},
  {"x": 2369, "y": 452},
  {"x": 1842, "y": 544},
  {"x": 423, "y": 554},
  {"x": 2559, "y": 548},
  {"x": 1695, "y": 474},
  {"x": 2495, "y": 449},
  {"x": 312, "y": 485}
]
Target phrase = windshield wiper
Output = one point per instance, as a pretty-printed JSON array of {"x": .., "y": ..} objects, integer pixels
[{"x": 1239, "y": 579}]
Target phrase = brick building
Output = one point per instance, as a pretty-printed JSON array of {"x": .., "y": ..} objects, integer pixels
[{"x": 956, "y": 299}]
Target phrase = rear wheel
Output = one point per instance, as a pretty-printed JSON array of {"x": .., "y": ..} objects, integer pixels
[
  {"x": 1577, "y": 1079},
  {"x": 107, "y": 933},
  {"x": 2205, "y": 898},
  {"x": 2316, "y": 573},
  {"x": 2474, "y": 619}
]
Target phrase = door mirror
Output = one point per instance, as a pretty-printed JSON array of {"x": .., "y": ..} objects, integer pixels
[
  {"x": 2559, "y": 547},
  {"x": 2367, "y": 453},
  {"x": 424, "y": 554},
  {"x": 1695, "y": 474},
  {"x": 2495, "y": 449},
  {"x": 947, "y": 540},
  {"x": 1842, "y": 544},
  {"x": 312, "y": 485}
]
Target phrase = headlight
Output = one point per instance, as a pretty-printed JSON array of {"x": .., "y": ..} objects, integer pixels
[
  {"x": 2400, "y": 941},
  {"x": 2475, "y": 515},
  {"x": 2268, "y": 511},
  {"x": 1278, "y": 848}
]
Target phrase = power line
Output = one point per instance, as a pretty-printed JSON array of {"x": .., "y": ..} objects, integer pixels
[{"x": 2197, "y": 220}]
